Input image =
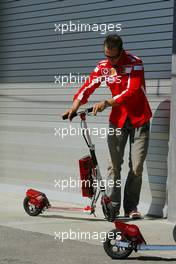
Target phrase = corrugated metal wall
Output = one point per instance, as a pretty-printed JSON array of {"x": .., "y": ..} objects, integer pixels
[{"x": 32, "y": 53}]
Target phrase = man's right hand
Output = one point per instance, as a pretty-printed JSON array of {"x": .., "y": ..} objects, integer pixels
[
  {"x": 70, "y": 113},
  {"x": 73, "y": 109}
]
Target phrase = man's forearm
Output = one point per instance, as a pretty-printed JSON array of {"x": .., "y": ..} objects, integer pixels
[
  {"x": 76, "y": 104},
  {"x": 111, "y": 102}
]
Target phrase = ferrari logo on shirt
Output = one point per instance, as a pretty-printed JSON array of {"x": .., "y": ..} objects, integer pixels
[{"x": 112, "y": 72}]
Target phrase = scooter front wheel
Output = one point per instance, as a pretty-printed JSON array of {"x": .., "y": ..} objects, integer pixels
[
  {"x": 31, "y": 209},
  {"x": 110, "y": 247}
]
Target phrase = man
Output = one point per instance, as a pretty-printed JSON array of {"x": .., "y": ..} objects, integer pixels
[{"x": 124, "y": 75}]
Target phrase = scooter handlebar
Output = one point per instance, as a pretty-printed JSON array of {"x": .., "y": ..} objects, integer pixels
[{"x": 88, "y": 110}]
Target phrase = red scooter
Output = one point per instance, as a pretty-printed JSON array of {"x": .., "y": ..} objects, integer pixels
[{"x": 92, "y": 184}]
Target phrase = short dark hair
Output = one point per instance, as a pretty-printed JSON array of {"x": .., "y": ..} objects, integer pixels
[{"x": 113, "y": 41}]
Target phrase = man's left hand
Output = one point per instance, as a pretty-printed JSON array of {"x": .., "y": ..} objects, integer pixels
[{"x": 98, "y": 107}]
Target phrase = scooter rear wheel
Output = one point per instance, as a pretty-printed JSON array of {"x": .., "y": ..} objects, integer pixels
[
  {"x": 110, "y": 247},
  {"x": 31, "y": 209}
]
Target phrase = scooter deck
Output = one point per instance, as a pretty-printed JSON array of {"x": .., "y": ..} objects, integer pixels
[
  {"x": 85, "y": 210},
  {"x": 146, "y": 247},
  {"x": 65, "y": 208},
  {"x": 157, "y": 247}
]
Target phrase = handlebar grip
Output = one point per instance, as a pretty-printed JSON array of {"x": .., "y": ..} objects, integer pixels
[
  {"x": 89, "y": 110},
  {"x": 64, "y": 117}
]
